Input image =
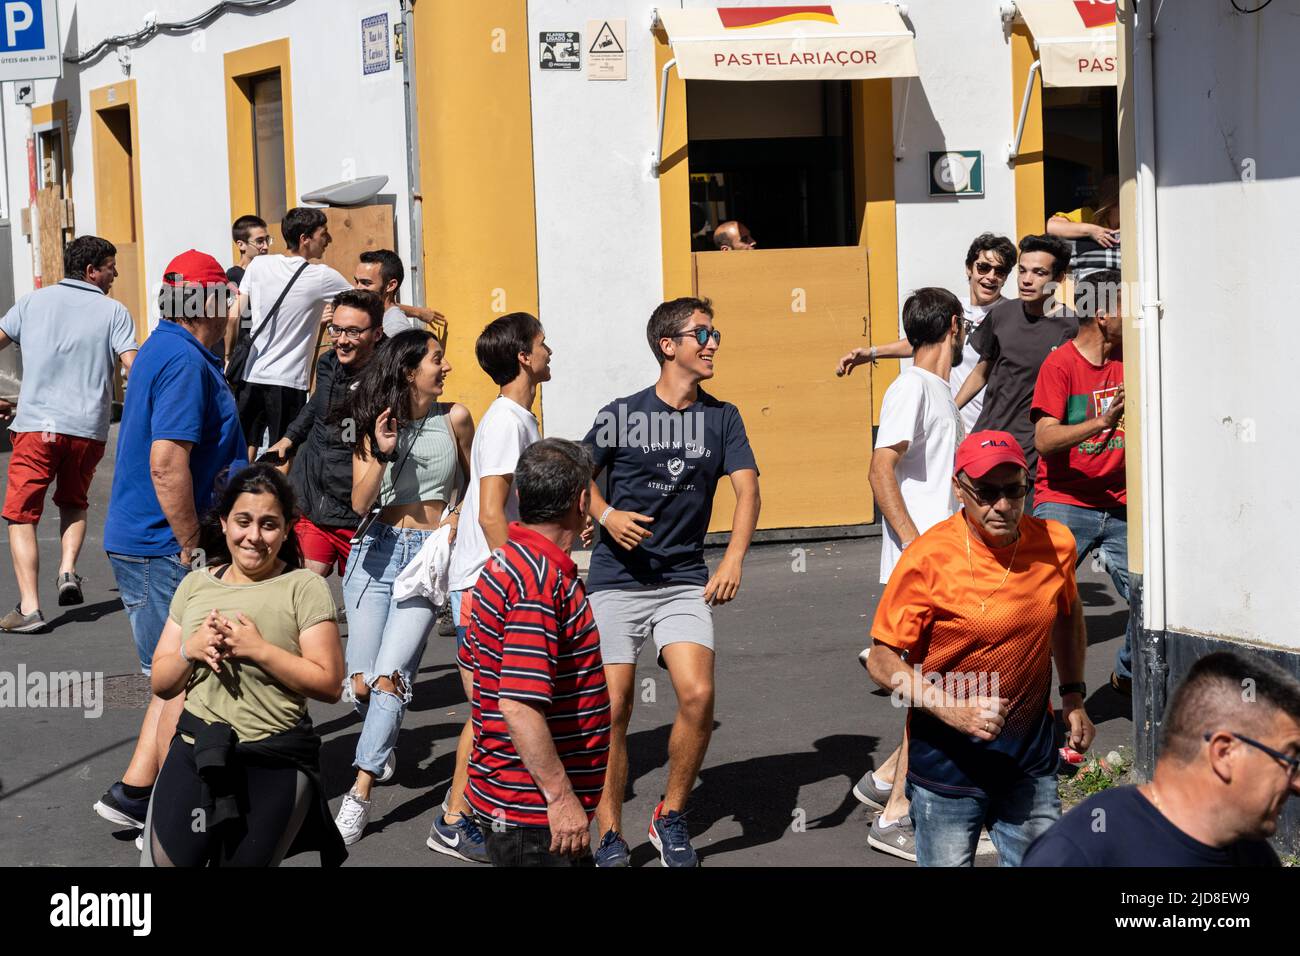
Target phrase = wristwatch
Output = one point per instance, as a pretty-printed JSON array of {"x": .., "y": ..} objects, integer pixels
[{"x": 1075, "y": 687}]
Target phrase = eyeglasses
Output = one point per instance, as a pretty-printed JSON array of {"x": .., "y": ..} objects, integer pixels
[
  {"x": 340, "y": 331},
  {"x": 262, "y": 241},
  {"x": 991, "y": 494},
  {"x": 984, "y": 268},
  {"x": 1292, "y": 763},
  {"x": 702, "y": 335}
]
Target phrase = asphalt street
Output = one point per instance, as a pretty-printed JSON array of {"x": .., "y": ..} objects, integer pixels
[{"x": 796, "y": 719}]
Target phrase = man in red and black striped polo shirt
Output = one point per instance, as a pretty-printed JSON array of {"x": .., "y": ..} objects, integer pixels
[{"x": 541, "y": 709}]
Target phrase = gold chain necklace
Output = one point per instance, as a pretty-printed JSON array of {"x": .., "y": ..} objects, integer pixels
[{"x": 970, "y": 565}]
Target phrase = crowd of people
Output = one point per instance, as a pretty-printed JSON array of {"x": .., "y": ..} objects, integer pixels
[{"x": 238, "y": 488}]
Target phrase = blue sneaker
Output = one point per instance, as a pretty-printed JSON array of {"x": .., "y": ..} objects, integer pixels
[
  {"x": 462, "y": 839},
  {"x": 613, "y": 850},
  {"x": 670, "y": 837},
  {"x": 116, "y": 807}
]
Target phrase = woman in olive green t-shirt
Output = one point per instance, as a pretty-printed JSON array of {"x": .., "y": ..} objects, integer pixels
[{"x": 249, "y": 639}]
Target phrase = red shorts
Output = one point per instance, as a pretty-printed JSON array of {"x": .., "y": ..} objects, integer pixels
[
  {"x": 38, "y": 459},
  {"x": 325, "y": 545}
]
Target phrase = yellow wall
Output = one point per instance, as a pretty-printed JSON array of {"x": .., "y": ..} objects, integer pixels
[
  {"x": 674, "y": 179},
  {"x": 476, "y": 175},
  {"x": 873, "y": 133},
  {"x": 1031, "y": 215},
  {"x": 1131, "y": 303},
  {"x": 239, "y": 66},
  {"x": 118, "y": 210}
]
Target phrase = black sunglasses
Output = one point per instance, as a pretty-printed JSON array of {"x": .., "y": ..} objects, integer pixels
[
  {"x": 987, "y": 494},
  {"x": 1292, "y": 763},
  {"x": 702, "y": 335},
  {"x": 984, "y": 268}
]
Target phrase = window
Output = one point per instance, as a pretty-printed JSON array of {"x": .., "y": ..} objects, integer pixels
[
  {"x": 774, "y": 155},
  {"x": 268, "y": 145},
  {"x": 1080, "y": 147}
]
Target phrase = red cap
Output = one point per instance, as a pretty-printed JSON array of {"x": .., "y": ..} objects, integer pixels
[
  {"x": 194, "y": 268},
  {"x": 981, "y": 452}
]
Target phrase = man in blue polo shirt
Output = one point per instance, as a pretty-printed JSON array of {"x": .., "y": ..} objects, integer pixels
[
  {"x": 181, "y": 429},
  {"x": 664, "y": 450}
]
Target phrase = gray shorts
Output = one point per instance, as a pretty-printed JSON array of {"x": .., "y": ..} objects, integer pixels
[{"x": 673, "y": 615}]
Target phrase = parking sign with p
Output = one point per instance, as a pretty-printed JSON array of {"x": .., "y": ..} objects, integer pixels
[{"x": 29, "y": 40}]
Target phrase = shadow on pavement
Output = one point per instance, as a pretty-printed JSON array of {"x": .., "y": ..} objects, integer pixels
[{"x": 762, "y": 793}]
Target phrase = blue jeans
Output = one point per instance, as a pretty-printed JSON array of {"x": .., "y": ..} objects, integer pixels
[
  {"x": 147, "y": 586},
  {"x": 1106, "y": 532},
  {"x": 462, "y": 633},
  {"x": 386, "y": 637},
  {"x": 948, "y": 828}
]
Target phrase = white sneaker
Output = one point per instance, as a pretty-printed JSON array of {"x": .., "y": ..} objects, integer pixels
[
  {"x": 352, "y": 817},
  {"x": 390, "y": 768}
]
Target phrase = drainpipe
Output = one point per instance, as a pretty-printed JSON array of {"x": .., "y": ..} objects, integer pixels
[
  {"x": 416, "y": 207},
  {"x": 1153, "y": 510}
]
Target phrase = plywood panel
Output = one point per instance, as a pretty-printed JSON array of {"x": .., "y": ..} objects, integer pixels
[
  {"x": 786, "y": 316},
  {"x": 49, "y": 218},
  {"x": 356, "y": 230}
]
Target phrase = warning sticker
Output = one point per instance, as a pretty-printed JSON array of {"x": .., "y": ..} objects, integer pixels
[
  {"x": 607, "y": 56},
  {"x": 560, "y": 50}
]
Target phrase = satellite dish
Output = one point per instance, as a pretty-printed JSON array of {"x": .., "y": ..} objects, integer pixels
[{"x": 353, "y": 192}]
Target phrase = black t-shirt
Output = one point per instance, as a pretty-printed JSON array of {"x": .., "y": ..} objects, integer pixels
[
  {"x": 666, "y": 464},
  {"x": 1014, "y": 344},
  {"x": 1120, "y": 827},
  {"x": 235, "y": 274}
]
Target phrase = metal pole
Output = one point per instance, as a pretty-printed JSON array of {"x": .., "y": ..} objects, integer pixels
[
  {"x": 1024, "y": 110},
  {"x": 663, "y": 108},
  {"x": 416, "y": 206}
]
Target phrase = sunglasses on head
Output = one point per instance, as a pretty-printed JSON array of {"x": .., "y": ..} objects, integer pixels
[
  {"x": 987, "y": 494},
  {"x": 702, "y": 335},
  {"x": 984, "y": 268}
]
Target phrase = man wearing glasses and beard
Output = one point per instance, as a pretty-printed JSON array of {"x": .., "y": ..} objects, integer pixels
[
  {"x": 321, "y": 474},
  {"x": 983, "y": 603}
]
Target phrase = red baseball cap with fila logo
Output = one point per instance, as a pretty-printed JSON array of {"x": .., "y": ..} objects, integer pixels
[
  {"x": 194, "y": 268},
  {"x": 981, "y": 452}
]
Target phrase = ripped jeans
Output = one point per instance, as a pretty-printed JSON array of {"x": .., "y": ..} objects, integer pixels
[{"x": 386, "y": 637}]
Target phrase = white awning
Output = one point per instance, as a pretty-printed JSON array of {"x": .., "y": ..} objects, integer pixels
[
  {"x": 1075, "y": 39},
  {"x": 808, "y": 42}
]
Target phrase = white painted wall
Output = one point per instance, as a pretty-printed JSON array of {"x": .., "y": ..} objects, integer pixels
[
  {"x": 961, "y": 100},
  {"x": 344, "y": 125},
  {"x": 1225, "y": 94},
  {"x": 600, "y": 262}
]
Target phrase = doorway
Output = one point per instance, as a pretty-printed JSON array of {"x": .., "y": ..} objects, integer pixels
[{"x": 118, "y": 216}]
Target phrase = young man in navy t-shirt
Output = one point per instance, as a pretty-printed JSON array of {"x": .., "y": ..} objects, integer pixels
[{"x": 663, "y": 451}]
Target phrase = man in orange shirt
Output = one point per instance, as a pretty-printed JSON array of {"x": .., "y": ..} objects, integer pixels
[{"x": 982, "y": 603}]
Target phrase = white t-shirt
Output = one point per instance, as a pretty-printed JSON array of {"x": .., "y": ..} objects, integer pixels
[
  {"x": 282, "y": 354},
  {"x": 919, "y": 409},
  {"x": 969, "y": 359},
  {"x": 506, "y": 430},
  {"x": 395, "y": 321}
]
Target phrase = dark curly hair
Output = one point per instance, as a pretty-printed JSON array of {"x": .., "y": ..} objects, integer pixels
[{"x": 253, "y": 480}]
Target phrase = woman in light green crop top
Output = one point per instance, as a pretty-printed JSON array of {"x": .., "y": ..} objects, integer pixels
[{"x": 411, "y": 461}]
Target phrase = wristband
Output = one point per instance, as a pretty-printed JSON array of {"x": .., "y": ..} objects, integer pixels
[
  {"x": 873, "y": 353},
  {"x": 1074, "y": 687},
  {"x": 183, "y": 656},
  {"x": 605, "y": 514}
]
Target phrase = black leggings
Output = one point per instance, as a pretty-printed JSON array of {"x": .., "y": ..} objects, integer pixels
[{"x": 274, "y": 800}]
